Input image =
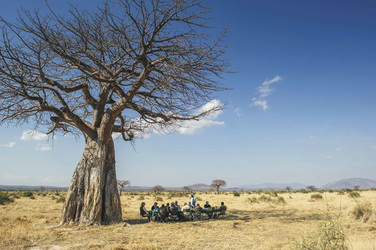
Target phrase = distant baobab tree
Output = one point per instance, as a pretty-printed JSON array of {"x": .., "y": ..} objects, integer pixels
[
  {"x": 217, "y": 184},
  {"x": 288, "y": 188},
  {"x": 356, "y": 187},
  {"x": 311, "y": 188},
  {"x": 158, "y": 188},
  {"x": 186, "y": 188},
  {"x": 126, "y": 68},
  {"x": 122, "y": 184}
]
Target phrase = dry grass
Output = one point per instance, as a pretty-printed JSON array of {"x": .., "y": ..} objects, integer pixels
[{"x": 254, "y": 221}]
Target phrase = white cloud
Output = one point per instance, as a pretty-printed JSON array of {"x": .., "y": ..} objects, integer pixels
[
  {"x": 192, "y": 127},
  {"x": 263, "y": 104},
  {"x": 43, "y": 147},
  {"x": 339, "y": 149},
  {"x": 329, "y": 157},
  {"x": 264, "y": 90},
  {"x": 30, "y": 135},
  {"x": 237, "y": 112},
  {"x": 9, "y": 145},
  {"x": 312, "y": 137},
  {"x": 188, "y": 127},
  {"x": 373, "y": 147}
]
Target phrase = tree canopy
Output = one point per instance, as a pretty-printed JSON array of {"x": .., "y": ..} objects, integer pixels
[{"x": 126, "y": 68}]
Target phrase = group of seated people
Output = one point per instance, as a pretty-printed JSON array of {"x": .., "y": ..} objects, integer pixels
[{"x": 188, "y": 212}]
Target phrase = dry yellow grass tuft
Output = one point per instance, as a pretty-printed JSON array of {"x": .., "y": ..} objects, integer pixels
[{"x": 254, "y": 221}]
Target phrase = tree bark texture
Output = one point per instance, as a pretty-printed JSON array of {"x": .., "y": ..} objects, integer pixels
[{"x": 93, "y": 197}]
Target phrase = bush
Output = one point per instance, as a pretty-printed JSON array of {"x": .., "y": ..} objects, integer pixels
[
  {"x": 362, "y": 211},
  {"x": 15, "y": 195},
  {"x": 5, "y": 198},
  {"x": 60, "y": 200},
  {"x": 328, "y": 235},
  {"x": 280, "y": 200},
  {"x": 141, "y": 198},
  {"x": 316, "y": 197},
  {"x": 27, "y": 194},
  {"x": 265, "y": 198},
  {"x": 354, "y": 194},
  {"x": 158, "y": 198},
  {"x": 273, "y": 194},
  {"x": 236, "y": 194},
  {"x": 252, "y": 200}
]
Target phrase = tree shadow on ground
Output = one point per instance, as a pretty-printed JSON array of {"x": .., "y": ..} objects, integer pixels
[
  {"x": 136, "y": 221},
  {"x": 283, "y": 215}
]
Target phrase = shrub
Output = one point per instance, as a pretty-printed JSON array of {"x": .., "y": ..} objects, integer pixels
[
  {"x": 354, "y": 194},
  {"x": 362, "y": 211},
  {"x": 5, "y": 198},
  {"x": 273, "y": 194},
  {"x": 252, "y": 200},
  {"x": 198, "y": 198},
  {"x": 141, "y": 198},
  {"x": 27, "y": 194},
  {"x": 158, "y": 198},
  {"x": 60, "y": 200},
  {"x": 316, "y": 197},
  {"x": 280, "y": 200},
  {"x": 236, "y": 194},
  {"x": 328, "y": 235},
  {"x": 265, "y": 198},
  {"x": 15, "y": 195}
]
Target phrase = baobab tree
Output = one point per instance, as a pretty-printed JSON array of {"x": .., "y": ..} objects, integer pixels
[
  {"x": 217, "y": 184},
  {"x": 128, "y": 68},
  {"x": 158, "y": 188},
  {"x": 121, "y": 184}
]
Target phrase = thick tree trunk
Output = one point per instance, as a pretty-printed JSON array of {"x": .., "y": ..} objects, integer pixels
[{"x": 93, "y": 196}]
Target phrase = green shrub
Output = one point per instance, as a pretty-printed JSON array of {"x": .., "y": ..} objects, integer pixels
[
  {"x": 15, "y": 195},
  {"x": 236, "y": 194},
  {"x": 5, "y": 198},
  {"x": 27, "y": 194},
  {"x": 265, "y": 198},
  {"x": 158, "y": 198}
]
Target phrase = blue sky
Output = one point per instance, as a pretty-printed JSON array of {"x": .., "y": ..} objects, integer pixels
[{"x": 301, "y": 106}]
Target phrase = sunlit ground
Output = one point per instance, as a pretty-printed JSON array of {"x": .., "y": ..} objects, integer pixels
[{"x": 253, "y": 221}]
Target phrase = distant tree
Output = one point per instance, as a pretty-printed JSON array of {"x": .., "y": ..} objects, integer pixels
[
  {"x": 356, "y": 187},
  {"x": 186, "y": 188},
  {"x": 121, "y": 184},
  {"x": 217, "y": 184},
  {"x": 158, "y": 188},
  {"x": 311, "y": 188},
  {"x": 288, "y": 189},
  {"x": 126, "y": 68}
]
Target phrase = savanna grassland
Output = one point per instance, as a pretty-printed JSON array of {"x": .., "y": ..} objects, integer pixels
[{"x": 254, "y": 220}]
